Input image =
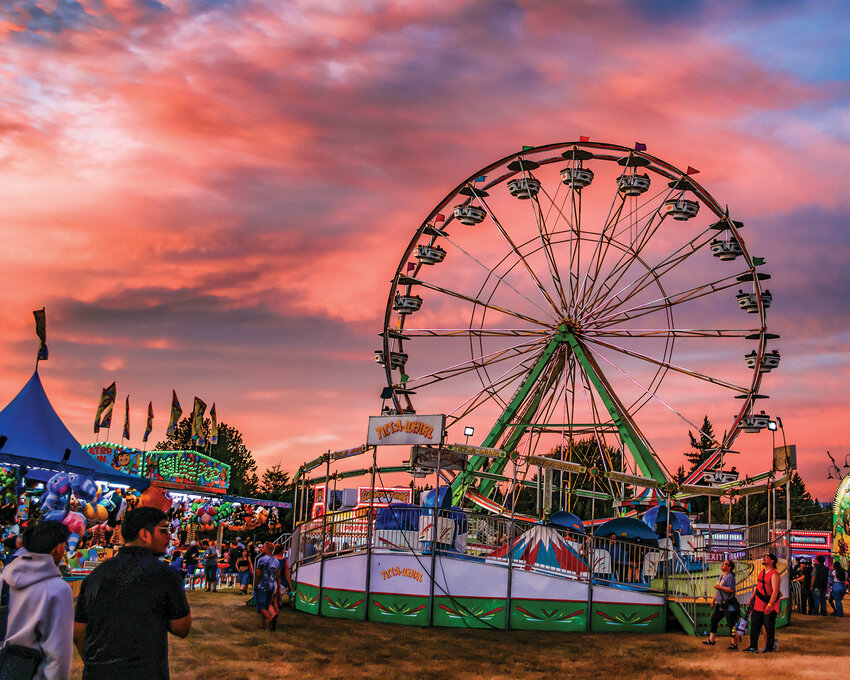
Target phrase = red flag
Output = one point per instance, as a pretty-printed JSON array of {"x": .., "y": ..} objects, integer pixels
[
  {"x": 584, "y": 139},
  {"x": 439, "y": 217},
  {"x": 640, "y": 147},
  {"x": 411, "y": 266},
  {"x": 691, "y": 171}
]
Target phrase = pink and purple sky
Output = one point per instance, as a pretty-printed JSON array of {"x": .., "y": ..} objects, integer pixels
[{"x": 212, "y": 195}]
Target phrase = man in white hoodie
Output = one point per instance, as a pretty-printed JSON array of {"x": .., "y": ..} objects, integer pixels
[{"x": 41, "y": 607}]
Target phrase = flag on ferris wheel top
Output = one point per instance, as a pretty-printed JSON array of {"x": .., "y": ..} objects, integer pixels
[
  {"x": 149, "y": 426},
  {"x": 411, "y": 266},
  {"x": 640, "y": 146},
  {"x": 176, "y": 412},
  {"x": 691, "y": 171},
  {"x": 481, "y": 178},
  {"x": 584, "y": 139}
]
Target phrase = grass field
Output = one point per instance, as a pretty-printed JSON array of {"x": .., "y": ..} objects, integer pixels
[{"x": 227, "y": 644}]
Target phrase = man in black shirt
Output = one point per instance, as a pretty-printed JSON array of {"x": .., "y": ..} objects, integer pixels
[
  {"x": 820, "y": 579},
  {"x": 129, "y": 604}
]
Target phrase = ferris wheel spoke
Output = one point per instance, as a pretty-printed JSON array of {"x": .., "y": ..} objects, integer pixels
[
  {"x": 633, "y": 251},
  {"x": 641, "y": 387},
  {"x": 473, "y": 402},
  {"x": 600, "y": 251},
  {"x": 670, "y": 332},
  {"x": 675, "y": 259},
  {"x": 502, "y": 280},
  {"x": 673, "y": 367},
  {"x": 474, "y": 332},
  {"x": 501, "y": 229},
  {"x": 628, "y": 222},
  {"x": 474, "y": 364},
  {"x": 404, "y": 280},
  {"x": 546, "y": 242},
  {"x": 668, "y": 301}
]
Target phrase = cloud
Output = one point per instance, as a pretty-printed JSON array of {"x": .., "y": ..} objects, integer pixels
[{"x": 212, "y": 196}]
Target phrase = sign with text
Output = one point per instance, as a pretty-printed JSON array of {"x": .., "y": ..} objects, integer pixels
[{"x": 406, "y": 429}]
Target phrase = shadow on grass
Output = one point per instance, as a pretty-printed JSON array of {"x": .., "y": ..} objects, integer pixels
[{"x": 226, "y": 643}]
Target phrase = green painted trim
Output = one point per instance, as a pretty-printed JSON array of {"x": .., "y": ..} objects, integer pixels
[
  {"x": 627, "y": 618},
  {"x": 306, "y": 598},
  {"x": 549, "y": 615},
  {"x": 406, "y": 610},
  {"x": 469, "y": 612}
]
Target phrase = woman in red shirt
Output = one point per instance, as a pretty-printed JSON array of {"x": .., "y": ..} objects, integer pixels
[{"x": 765, "y": 606}]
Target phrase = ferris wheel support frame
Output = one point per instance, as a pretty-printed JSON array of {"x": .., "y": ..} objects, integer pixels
[{"x": 645, "y": 459}]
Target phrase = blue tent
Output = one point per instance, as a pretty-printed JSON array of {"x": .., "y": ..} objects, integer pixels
[{"x": 39, "y": 441}]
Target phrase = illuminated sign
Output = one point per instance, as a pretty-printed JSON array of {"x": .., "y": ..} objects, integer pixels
[
  {"x": 405, "y": 429},
  {"x": 383, "y": 496},
  {"x": 121, "y": 458},
  {"x": 187, "y": 468}
]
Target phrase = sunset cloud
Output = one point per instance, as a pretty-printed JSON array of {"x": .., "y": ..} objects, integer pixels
[{"x": 213, "y": 195}]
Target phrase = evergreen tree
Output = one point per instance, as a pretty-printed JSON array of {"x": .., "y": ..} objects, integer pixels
[
  {"x": 230, "y": 449},
  {"x": 701, "y": 447}
]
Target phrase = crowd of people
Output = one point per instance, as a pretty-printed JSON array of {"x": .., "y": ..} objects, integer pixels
[
  {"x": 819, "y": 586},
  {"x": 146, "y": 577}
]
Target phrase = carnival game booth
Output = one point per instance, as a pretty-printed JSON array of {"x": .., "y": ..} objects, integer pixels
[{"x": 53, "y": 472}]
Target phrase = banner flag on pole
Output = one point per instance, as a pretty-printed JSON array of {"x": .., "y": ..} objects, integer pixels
[
  {"x": 41, "y": 332},
  {"x": 527, "y": 148},
  {"x": 584, "y": 139},
  {"x": 176, "y": 412},
  {"x": 213, "y": 425},
  {"x": 107, "y": 398},
  {"x": 640, "y": 147},
  {"x": 691, "y": 171},
  {"x": 126, "y": 433},
  {"x": 149, "y": 426},
  {"x": 439, "y": 217},
  {"x": 198, "y": 421},
  {"x": 481, "y": 178},
  {"x": 107, "y": 416}
]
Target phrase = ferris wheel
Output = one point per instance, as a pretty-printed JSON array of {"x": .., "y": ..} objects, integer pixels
[{"x": 579, "y": 291}]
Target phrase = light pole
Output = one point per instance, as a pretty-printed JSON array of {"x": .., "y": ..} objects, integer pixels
[{"x": 468, "y": 431}]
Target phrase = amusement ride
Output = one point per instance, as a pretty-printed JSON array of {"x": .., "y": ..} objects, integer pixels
[{"x": 579, "y": 303}]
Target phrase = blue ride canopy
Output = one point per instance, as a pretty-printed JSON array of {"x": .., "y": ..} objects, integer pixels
[
  {"x": 567, "y": 520},
  {"x": 38, "y": 440},
  {"x": 658, "y": 515},
  {"x": 627, "y": 529},
  {"x": 398, "y": 517}
]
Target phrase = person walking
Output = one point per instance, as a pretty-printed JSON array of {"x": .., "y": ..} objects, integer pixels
[
  {"x": 190, "y": 562},
  {"x": 41, "y": 607},
  {"x": 211, "y": 566},
  {"x": 806, "y": 601},
  {"x": 244, "y": 571},
  {"x": 839, "y": 587},
  {"x": 725, "y": 604},
  {"x": 765, "y": 603},
  {"x": 266, "y": 583},
  {"x": 820, "y": 583},
  {"x": 134, "y": 586}
]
